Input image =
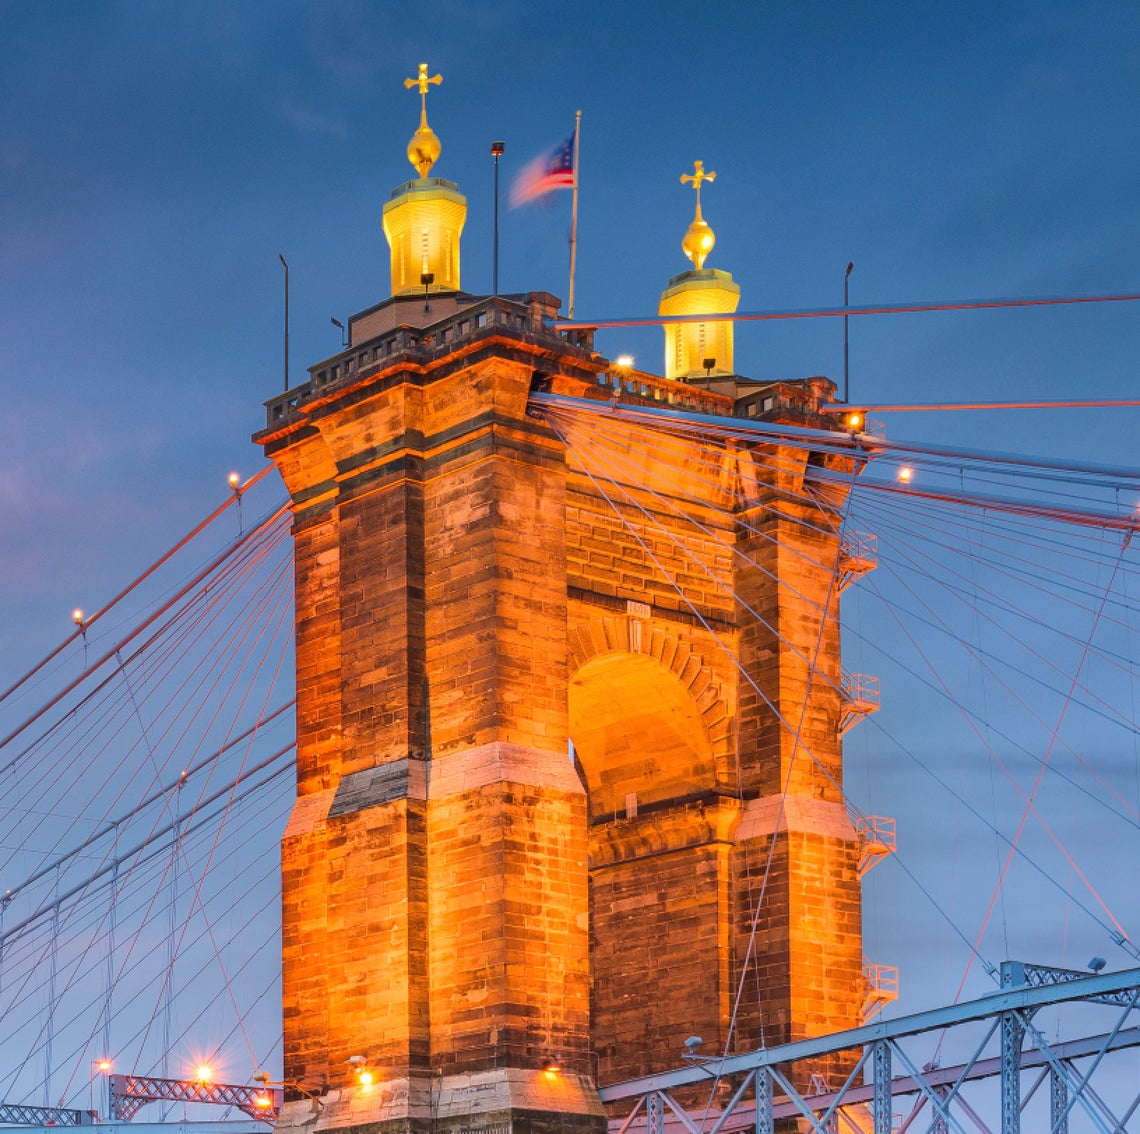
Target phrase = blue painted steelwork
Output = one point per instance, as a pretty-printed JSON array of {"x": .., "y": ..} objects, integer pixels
[
  {"x": 13, "y": 1114},
  {"x": 1009, "y": 1015}
]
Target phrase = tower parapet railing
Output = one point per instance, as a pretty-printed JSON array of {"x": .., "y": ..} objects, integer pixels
[{"x": 528, "y": 314}]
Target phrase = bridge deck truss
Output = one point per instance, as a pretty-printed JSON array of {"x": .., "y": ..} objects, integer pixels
[{"x": 889, "y": 1091}]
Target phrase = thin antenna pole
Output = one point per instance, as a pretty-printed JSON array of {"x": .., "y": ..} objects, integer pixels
[
  {"x": 846, "y": 277},
  {"x": 286, "y": 267},
  {"x": 574, "y": 214}
]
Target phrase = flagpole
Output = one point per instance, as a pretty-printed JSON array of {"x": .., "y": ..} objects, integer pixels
[{"x": 574, "y": 214}]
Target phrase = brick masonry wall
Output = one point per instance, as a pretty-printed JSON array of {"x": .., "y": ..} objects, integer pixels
[
  {"x": 457, "y": 896},
  {"x": 773, "y": 605},
  {"x": 435, "y": 887}
]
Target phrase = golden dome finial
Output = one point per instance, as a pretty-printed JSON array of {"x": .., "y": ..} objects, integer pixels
[
  {"x": 423, "y": 149},
  {"x": 699, "y": 239}
]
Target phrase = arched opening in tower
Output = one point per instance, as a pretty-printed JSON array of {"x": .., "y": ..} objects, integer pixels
[{"x": 659, "y": 857}]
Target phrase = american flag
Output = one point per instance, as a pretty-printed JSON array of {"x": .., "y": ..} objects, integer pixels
[{"x": 551, "y": 170}]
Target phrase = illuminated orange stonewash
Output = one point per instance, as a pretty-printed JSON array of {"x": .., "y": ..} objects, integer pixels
[{"x": 485, "y": 921}]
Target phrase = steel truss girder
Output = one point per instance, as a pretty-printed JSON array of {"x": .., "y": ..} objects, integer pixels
[
  {"x": 985, "y": 1007},
  {"x": 129, "y": 1093},
  {"x": 15, "y": 1114},
  {"x": 1009, "y": 1012},
  {"x": 1017, "y": 974}
]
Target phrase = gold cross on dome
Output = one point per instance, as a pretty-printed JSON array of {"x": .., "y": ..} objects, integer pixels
[
  {"x": 421, "y": 81},
  {"x": 696, "y": 177}
]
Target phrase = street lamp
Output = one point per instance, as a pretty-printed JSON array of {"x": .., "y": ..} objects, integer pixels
[
  {"x": 103, "y": 1067},
  {"x": 265, "y": 1101}
]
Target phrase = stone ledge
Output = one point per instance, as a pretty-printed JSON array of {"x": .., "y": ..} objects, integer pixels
[
  {"x": 468, "y": 769},
  {"x": 800, "y": 814}
]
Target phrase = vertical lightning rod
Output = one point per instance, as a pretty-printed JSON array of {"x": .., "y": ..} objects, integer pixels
[{"x": 286, "y": 267}]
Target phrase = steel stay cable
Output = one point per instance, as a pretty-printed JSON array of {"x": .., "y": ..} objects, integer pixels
[
  {"x": 253, "y": 887},
  {"x": 839, "y": 441},
  {"x": 600, "y": 425},
  {"x": 1042, "y": 763},
  {"x": 813, "y": 672},
  {"x": 1124, "y": 943},
  {"x": 161, "y": 853},
  {"x": 700, "y": 618},
  {"x": 743, "y": 501},
  {"x": 283, "y": 609},
  {"x": 145, "y": 624},
  {"x": 870, "y": 485},
  {"x": 1024, "y": 530},
  {"x": 10, "y": 931},
  {"x": 137, "y": 1037},
  {"x": 253, "y": 621},
  {"x": 837, "y": 312},
  {"x": 30, "y": 1054},
  {"x": 161, "y": 638},
  {"x": 1012, "y": 845},
  {"x": 883, "y": 449},
  {"x": 79, "y": 1051},
  {"x": 133, "y": 658},
  {"x": 973, "y": 948},
  {"x": 720, "y": 583},
  {"x": 752, "y": 561},
  {"x": 146, "y": 801},
  {"x": 190, "y": 814},
  {"x": 797, "y": 742},
  {"x": 196, "y": 900},
  {"x": 1007, "y": 737},
  {"x": 89, "y": 621},
  {"x": 104, "y": 685},
  {"x": 1022, "y": 574},
  {"x": 156, "y": 855},
  {"x": 1006, "y": 505},
  {"x": 775, "y": 711},
  {"x": 1108, "y": 712}
]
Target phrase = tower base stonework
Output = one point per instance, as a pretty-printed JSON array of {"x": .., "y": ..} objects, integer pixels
[{"x": 499, "y": 1101}]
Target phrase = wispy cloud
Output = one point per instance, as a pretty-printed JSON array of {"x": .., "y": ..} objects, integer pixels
[{"x": 305, "y": 120}]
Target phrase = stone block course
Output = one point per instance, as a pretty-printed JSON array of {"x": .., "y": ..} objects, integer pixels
[{"x": 458, "y": 896}]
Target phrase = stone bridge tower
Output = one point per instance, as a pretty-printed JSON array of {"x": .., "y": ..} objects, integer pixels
[{"x": 478, "y": 928}]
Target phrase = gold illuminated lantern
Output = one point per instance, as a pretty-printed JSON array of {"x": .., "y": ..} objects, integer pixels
[
  {"x": 424, "y": 218},
  {"x": 700, "y": 349}
]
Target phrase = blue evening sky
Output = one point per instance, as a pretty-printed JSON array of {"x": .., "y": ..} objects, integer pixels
[{"x": 156, "y": 157}]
